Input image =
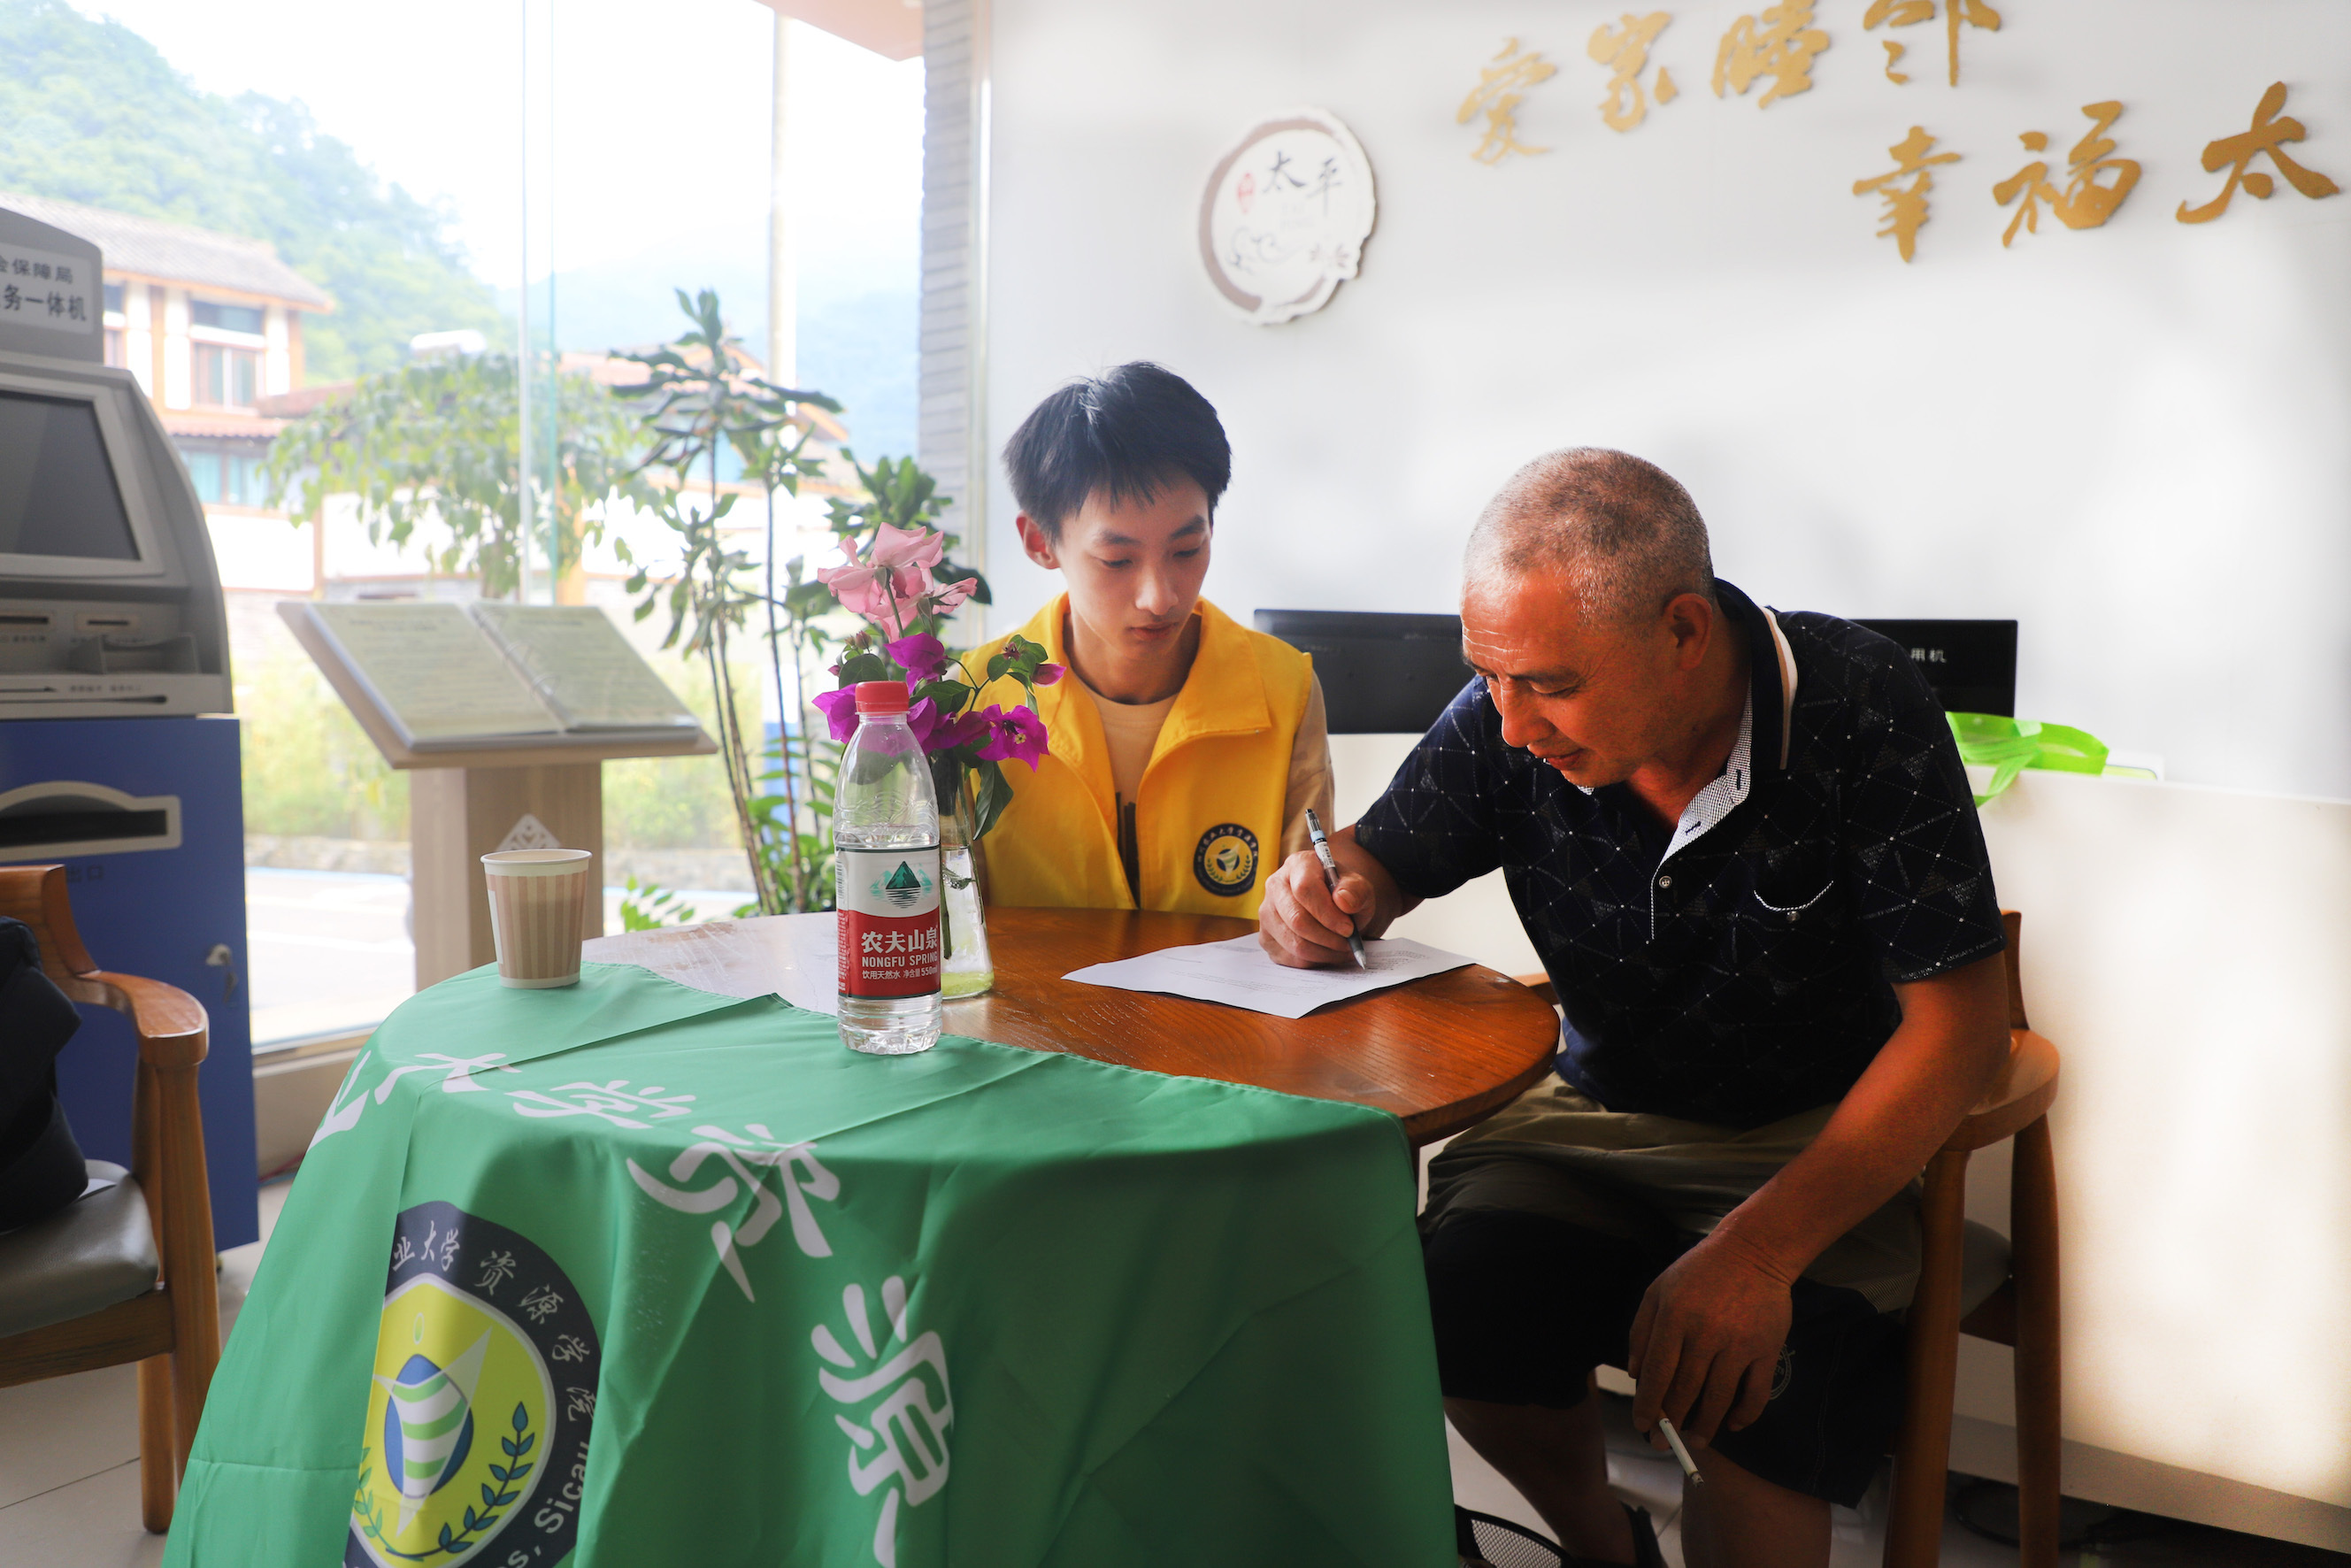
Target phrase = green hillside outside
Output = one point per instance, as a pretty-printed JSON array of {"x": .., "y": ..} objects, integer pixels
[{"x": 97, "y": 115}]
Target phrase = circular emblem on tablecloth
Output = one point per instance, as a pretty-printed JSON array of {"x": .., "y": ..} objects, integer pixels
[
  {"x": 480, "y": 1402},
  {"x": 1226, "y": 860},
  {"x": 1285, "y": 215}
]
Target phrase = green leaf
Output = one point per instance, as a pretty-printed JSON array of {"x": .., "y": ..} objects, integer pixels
[
  {"x": 947, "y": 695},
  {"x": 860, "y": 667},
  {"x": 995, "y": 794}
]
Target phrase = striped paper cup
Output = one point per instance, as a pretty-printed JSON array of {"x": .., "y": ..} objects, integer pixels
[{"x": 539, "y": 912}]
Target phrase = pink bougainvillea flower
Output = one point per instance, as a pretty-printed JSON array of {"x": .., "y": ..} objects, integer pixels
[
  {"x": 893, "y": 546},
  {"x": 1015, "y": 734},
  {"x": 922, "y": 656},
  {"x": 947, "y": 598},
  {"x": 840, "y": 710},
  {"x": 858, "y": 587},
  {"x": 886, "y": 599},
  {"x": 1048, "y": 674}
]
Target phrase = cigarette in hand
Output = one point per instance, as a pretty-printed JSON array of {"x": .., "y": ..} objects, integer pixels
[{"x": 1674, "y": 1441}]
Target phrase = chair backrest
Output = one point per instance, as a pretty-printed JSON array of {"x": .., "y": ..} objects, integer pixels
[
  {"x": 2012, "y": 923},
  {"x": 35, "y": 894}
]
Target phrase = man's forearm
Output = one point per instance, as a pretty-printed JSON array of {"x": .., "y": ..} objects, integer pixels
[{"x": 1952, "y": 1042}]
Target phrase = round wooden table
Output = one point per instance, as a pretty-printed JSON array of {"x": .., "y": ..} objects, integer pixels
[{"x": 1439, "y": 1054}]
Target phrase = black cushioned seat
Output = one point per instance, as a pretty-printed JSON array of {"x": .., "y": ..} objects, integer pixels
[{"x": 95, "y": 1251}]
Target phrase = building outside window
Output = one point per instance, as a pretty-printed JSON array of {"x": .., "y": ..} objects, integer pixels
[
  {"x": 225, "y": 318},
  {"x": 225, "y": 478},
  {"x": 226, "y": 377}
]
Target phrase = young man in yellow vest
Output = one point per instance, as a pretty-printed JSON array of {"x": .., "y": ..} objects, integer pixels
[{"x": 1185, "y": 749}]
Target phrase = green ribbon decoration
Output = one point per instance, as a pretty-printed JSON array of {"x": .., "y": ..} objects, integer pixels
[{"x": 2009, "y": 745}]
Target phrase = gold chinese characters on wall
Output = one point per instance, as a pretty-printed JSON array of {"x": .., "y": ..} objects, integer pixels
[{"x": 1780, "y": 44}]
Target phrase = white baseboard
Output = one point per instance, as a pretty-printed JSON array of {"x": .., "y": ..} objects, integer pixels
[{"x": 1988, "y": 1448}]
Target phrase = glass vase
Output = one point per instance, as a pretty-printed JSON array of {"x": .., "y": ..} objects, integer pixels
[{"x": 964, "y": 968}]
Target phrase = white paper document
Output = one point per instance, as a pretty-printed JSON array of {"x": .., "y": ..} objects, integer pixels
[{"x": 1239, "y": 973}]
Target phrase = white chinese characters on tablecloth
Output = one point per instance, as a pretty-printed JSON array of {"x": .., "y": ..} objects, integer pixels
[
  {"x": 798, "y": 1172},
  {"x": 901, "y": 1402},
  {"x": 614, "y": 1101},
  {"x": 1285, "y": 215}
]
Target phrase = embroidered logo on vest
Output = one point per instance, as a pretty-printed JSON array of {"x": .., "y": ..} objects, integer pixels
[{"x": 1226, "y": 860}]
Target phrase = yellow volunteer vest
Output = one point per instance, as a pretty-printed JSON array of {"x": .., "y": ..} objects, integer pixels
[{"x": 1208, "y": 816}]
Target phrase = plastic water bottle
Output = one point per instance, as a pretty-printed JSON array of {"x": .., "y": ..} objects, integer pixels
[{"x": 885, "y": 858}]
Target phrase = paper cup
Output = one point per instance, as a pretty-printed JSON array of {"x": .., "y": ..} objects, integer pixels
[{"x": 539, "y": 912}]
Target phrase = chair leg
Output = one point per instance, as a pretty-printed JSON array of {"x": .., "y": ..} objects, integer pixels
[
  {"x": 189, "y": 1262},
  {"x": 2033, "y": 1220},
  {"x": 158, "y": 1472},
  {"x": 1922, "y": 1454}
]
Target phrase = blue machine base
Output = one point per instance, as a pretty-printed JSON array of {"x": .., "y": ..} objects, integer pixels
[{"x": 157, "y": 912}]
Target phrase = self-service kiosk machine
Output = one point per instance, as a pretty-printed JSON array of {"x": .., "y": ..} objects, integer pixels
[{"x": 117, "y": 754}]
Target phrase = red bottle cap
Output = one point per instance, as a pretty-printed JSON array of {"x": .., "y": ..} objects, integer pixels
[{"x": 880, "y": 698}]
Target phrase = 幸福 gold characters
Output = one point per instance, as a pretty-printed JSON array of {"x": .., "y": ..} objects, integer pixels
[
  {"x": 2096, "y": 182},
  {"x": 1904, "y": 187}
]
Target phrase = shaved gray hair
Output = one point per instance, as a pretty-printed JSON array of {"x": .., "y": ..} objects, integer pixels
[{"x": 1625, "y": 530}]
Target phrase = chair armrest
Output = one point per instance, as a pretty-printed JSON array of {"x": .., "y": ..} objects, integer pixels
[
  {"x": 173, "y": 1027},
  {"x": 2020, "y": 1096}
]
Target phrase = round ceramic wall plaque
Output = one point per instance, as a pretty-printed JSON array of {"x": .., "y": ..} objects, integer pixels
[{"x": 1284, "y": 218}]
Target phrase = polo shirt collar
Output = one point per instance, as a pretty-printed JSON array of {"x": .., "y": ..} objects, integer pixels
[{"x": 1772, "y": 674}]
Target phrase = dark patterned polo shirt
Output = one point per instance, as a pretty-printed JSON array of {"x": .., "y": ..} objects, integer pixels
[{"x": 1740, "y": 967}]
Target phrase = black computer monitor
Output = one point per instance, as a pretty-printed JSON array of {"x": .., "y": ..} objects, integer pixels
[
  {"x": 1972, "y": 664},
  {"x": 1381, "y": 674}
]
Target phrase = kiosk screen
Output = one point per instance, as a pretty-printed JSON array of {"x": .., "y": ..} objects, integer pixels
[{"x": 58, "y": 496}]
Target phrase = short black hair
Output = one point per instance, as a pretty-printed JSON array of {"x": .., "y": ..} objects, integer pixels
[{"x": 1128, "y": 433}]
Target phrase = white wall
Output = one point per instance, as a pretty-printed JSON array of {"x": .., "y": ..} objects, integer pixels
[{"x": 2131, "y": 439}]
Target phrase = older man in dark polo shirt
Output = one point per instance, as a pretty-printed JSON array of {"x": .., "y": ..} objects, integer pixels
[{"x": 1744, "y": 846}]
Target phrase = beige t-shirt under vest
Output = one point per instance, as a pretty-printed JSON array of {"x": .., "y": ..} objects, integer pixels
[{"x": 1130, "y": 731}]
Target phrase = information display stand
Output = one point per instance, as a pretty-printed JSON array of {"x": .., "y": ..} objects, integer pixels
[{"x": 467, "y": 800}]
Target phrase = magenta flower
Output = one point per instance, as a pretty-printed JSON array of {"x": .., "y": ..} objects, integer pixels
[
  {"x": 840, "y": 710},
  {"x": 1015, "y": 734},
  {"x": 1048, "y": 674},
  {"x": 922, "y": 657},
  {"x": 937, "y": 732}
]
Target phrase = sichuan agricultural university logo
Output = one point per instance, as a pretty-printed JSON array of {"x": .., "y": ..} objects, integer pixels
[
  {"x": 1226, "y": 860},
  {"x": 480, "y": 1403}
]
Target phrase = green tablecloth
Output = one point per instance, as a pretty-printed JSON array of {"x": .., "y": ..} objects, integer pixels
[{"x": 640, "y": 1275}]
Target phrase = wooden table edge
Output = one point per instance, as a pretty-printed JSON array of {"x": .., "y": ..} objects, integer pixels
[{"x": 1421, "y": 1128}]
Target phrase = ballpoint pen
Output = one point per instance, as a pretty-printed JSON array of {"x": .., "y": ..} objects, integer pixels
[{"x": 1331, "y": 878}]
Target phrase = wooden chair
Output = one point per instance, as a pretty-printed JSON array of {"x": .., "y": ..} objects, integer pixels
[
  {"x": 2015, "y": 1306},
  {"x": 172, "y": 1329},
  {"x": 2021, "y": 1312}
]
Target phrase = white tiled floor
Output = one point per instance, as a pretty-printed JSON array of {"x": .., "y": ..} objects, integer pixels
[{"x": 69, "y": 1480}]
